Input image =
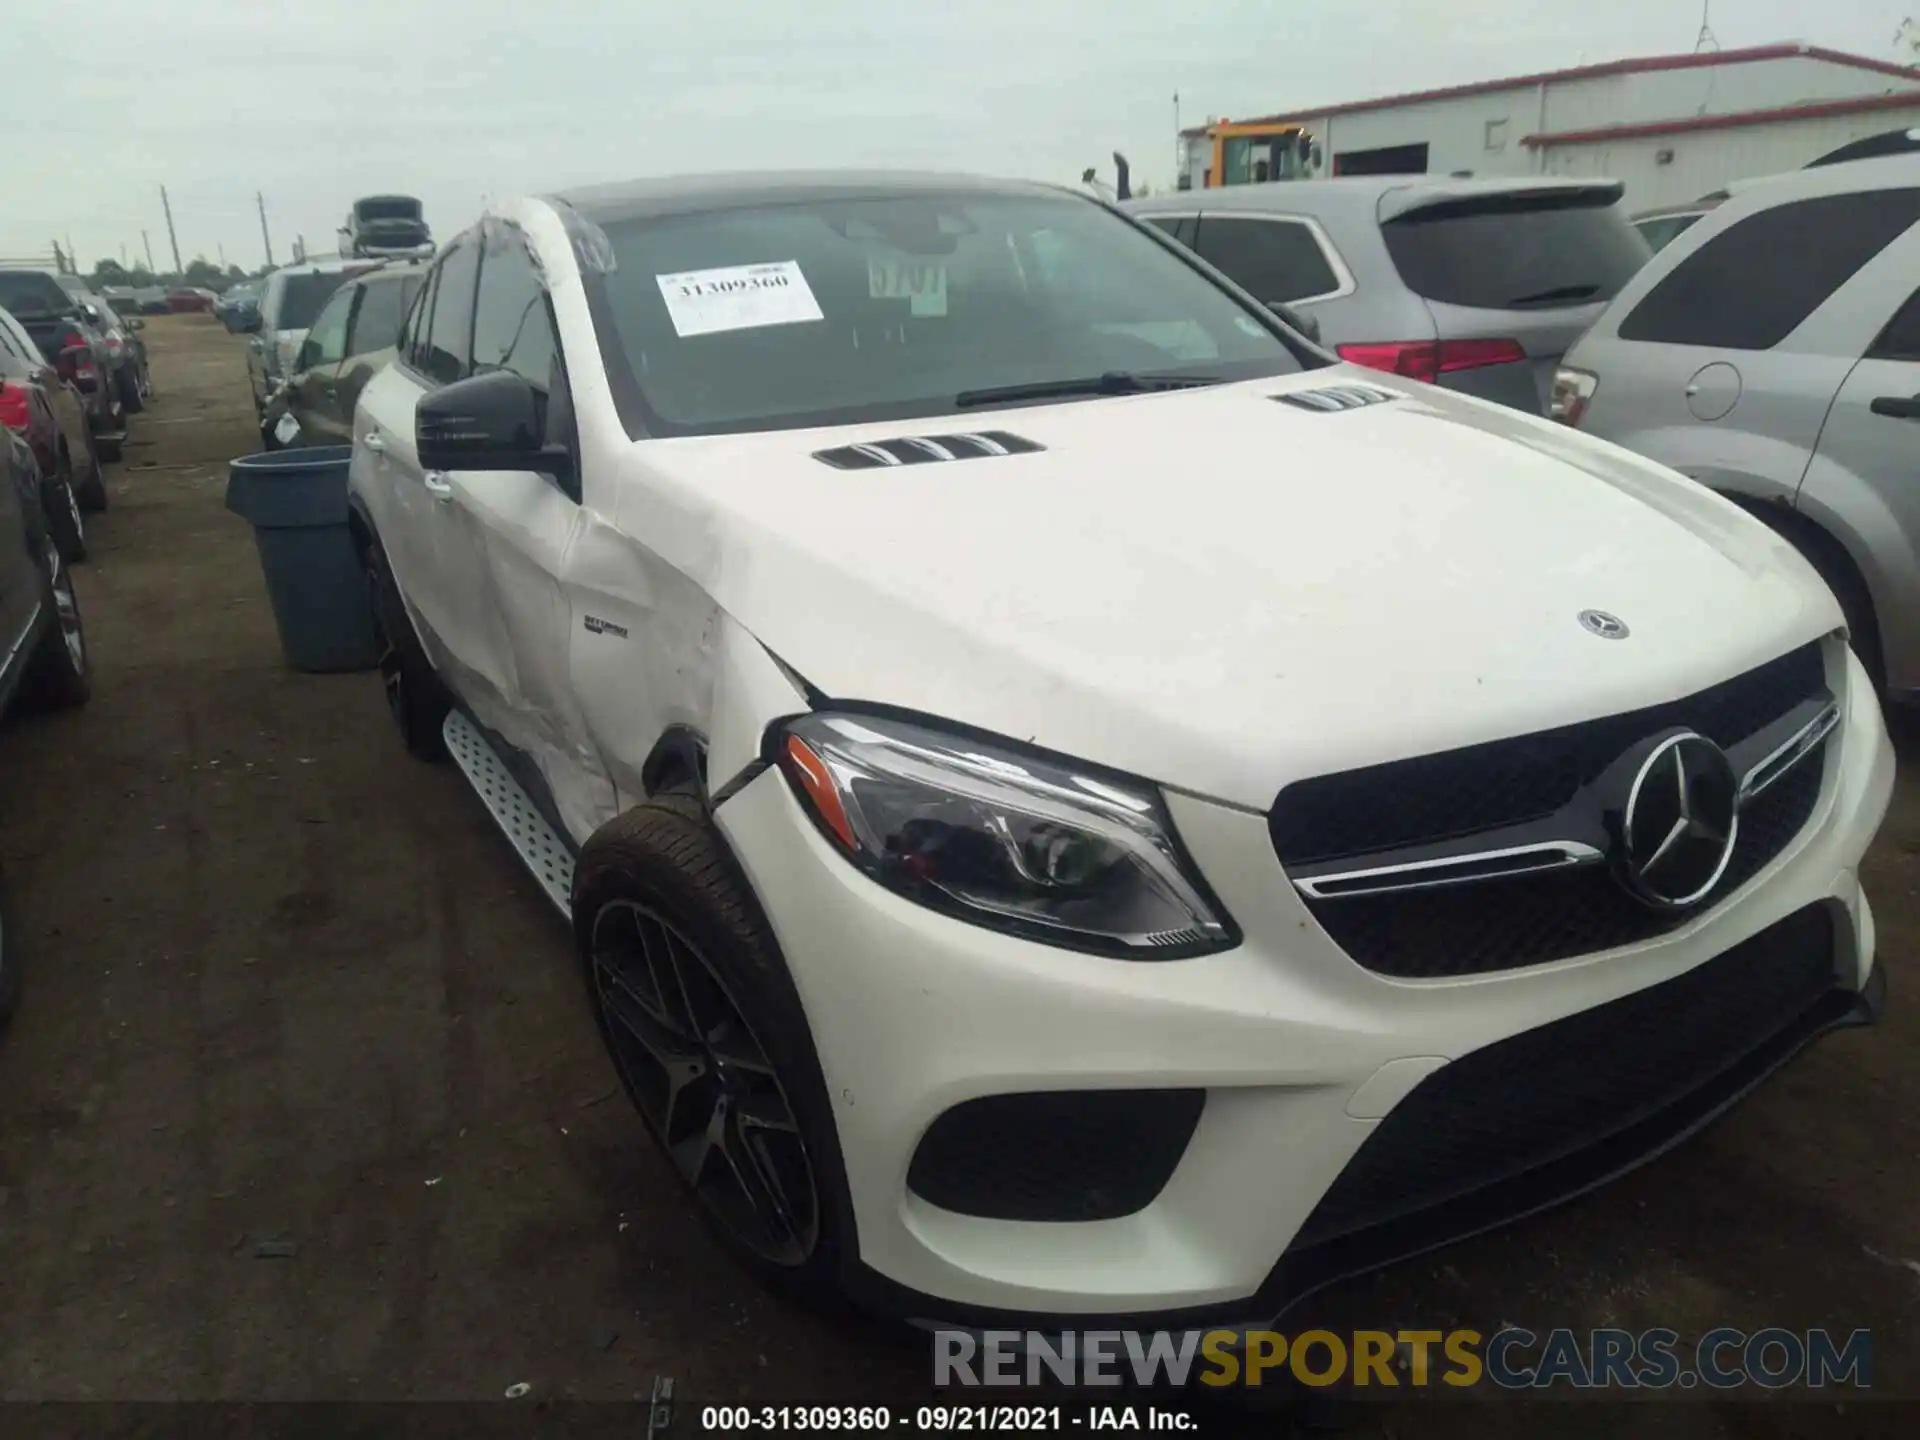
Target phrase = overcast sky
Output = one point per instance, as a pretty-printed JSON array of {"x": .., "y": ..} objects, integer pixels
[{"x": 314, "y": 102}]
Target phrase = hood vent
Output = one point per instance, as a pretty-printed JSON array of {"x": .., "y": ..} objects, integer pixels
[
  {"x": 1337, "y": 397},
  {"x": 925, "y": 450}
]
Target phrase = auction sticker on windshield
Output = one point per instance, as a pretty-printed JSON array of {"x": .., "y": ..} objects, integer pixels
[{"x": 738, "y": 297}]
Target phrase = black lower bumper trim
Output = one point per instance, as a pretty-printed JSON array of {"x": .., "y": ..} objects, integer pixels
[{"x": 1303, "y": 1270}]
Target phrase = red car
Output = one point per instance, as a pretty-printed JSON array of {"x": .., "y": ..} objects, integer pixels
[
  {"x": 49, "y": 414},
  {"x": 186, "y": 301}
]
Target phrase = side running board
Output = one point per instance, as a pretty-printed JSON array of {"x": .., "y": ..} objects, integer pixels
[{"x": 539, "y": 849}]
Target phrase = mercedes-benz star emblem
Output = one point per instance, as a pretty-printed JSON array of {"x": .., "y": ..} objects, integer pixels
[
  {"x": 1677, "y": 833},
  {"x": 1607, "y": 627}
]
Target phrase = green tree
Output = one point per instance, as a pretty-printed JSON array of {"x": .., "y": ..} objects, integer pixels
[
  {"x": 203, "y": 273},
  {"x": 109, "y": 272}
]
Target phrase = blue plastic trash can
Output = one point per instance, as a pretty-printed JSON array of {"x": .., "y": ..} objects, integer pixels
[{"x": 296, "y": 501}]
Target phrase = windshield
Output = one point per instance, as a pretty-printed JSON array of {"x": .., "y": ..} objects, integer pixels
[
  {"x": 841, "y": 310},
  {"x": 1501, "y": 252},
  {"x": 388, "y": 209},
  {"x": 30, "y": 292},
  {"x": 301, "y": 296}
]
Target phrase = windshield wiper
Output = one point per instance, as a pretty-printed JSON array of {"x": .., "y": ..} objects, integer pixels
[
  {"x": 1113, "y": 382},
  {"x": 1564, "y": 292}
]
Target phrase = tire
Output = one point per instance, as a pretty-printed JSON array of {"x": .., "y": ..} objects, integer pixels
[
  {"x": 663, "y": 870},
  {"x": 132, "y": 400},
  {"x": 416, "y": 699},
  {"x": 90, "y": 489},
  {"x": 59, "y": 676},
  {"x": 62, "y": 507},
  {"x": 107, "y": 447}
]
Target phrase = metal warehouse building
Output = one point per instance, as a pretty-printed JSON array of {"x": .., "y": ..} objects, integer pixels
[{"x": 1672, "y": 127}]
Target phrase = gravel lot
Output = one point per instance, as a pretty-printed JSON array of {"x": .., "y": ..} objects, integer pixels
[{"x": 284, "y": 984}]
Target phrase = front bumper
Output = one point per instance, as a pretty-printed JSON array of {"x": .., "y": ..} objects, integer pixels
[{"x": 1303, "y": 1056}]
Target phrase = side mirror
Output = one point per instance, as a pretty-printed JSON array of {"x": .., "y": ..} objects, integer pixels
[
  {"x": 1305, "y": 324},
  {"x": 134, "y": 322},
  {"x": 494, "y": 421},
  {"x": 92, "y": 312},
  {"x": 250, "y": 322}
]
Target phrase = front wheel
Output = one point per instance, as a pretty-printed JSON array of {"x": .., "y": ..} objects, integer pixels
[
  {"x": 132, "y": 392},
  {"x": 416, "y": 699},
  {"x": 62, "y": 509},
  {"x": 58, "y": 676},
  {"x": 706, "y": 1030}
]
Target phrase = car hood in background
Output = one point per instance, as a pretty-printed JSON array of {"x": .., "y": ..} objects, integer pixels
[{"x": 1223, "y": 592}]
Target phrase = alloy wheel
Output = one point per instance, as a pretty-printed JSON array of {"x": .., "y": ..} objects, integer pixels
[
  {"x": 73, "y": 501},
  {"x": 704, "y": 1082},
  {"x": 67, "y": 610}
]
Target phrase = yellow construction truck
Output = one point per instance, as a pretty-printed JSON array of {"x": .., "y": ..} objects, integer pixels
[{"x": 1257, "y": 151}]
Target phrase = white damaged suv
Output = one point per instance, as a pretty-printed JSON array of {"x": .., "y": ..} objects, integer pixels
[{"x": 1071, "y": 802}]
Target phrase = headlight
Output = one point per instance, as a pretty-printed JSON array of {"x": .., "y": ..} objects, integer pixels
[{"x": 1001, "y": 839}]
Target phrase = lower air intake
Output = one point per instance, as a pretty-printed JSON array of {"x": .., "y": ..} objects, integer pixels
[{"x": 1073, "y": 1155}]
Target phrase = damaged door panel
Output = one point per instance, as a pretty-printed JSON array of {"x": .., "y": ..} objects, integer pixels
[{"x": 524, "y": 530}]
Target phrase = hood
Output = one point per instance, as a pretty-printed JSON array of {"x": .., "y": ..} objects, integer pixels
[{"x": 1223, "y": 592}]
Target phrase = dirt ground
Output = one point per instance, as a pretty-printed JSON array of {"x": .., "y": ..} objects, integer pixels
[{"x": 285, "y": 984}]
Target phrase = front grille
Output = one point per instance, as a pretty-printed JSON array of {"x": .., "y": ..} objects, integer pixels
[
  {"x": 1532, "y": 919},
  {"x": 1525, "y": 1103},
  {"x": 1508, "y": 782},
  {"x": 1057, "y": 1156}
]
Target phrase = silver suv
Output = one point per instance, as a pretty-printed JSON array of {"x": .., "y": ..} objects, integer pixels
[
  {"x": 1478, "y": 285},
  {"x": 1772, "y": 352},
  {"x": 290, "y": 298}
]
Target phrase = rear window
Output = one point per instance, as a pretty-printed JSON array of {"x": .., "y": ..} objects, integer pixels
[
  {"x": 301, "y": 296},
  {"x": 1756, "y": 282},
  {"x": 836, "y": 310},
  {"x": 1516, "y": 251},
  {"x": 388, "y": 209},
  {"x": 29, "y": 292}
]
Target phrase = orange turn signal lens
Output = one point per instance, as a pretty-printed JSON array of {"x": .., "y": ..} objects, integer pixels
[{"x": 811, "y": 771}]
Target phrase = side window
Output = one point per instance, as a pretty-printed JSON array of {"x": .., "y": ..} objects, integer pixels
[
  {"x": 326, "y": 342},
  {"x": 511, "y": 327},
  {"x": 1274, "y": 259},
  {"x": 1752, "y": 285},
  {"x": 1180, "y": 227},
  {"x": 1901, "y": 339},
  {"x": 419, "y": 317},
  {"x": 450, "y": 337},
  {"x": 376, "y": 321}
]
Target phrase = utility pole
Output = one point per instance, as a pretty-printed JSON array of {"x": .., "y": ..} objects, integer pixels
[
  {"x": 147, "y": 240},
  {"x": 123, "y": 254},
  {"x": 223, "y": 255},
  {"x": 172, "y": 239},
  {"x": 266, "y": 240},
  {"x": 59, "y": 259},
  {"x": 300, "y": 249},
  {"x": 73, "y": 256}
]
